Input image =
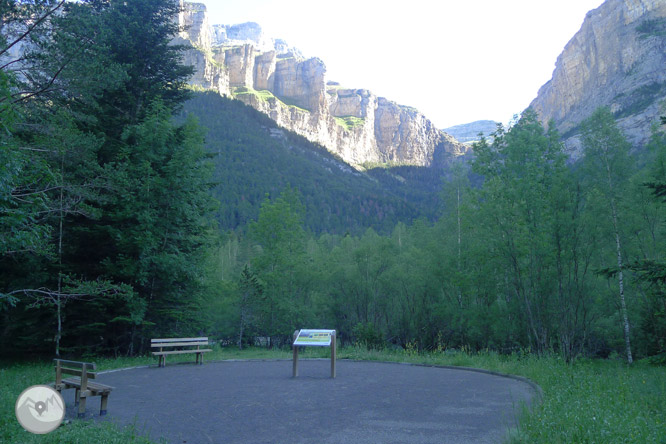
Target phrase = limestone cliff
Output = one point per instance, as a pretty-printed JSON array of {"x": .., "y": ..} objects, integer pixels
[
  {"x": 468, "y": 133},
  {"x": 617, "y": 59},
  {"x": 274, "y": 78}
]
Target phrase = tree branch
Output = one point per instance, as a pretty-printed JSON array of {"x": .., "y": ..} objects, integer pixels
[{"x": 32, "y": 27}]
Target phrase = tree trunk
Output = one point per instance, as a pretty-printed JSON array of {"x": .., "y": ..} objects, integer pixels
[
  {"x": 242, "y": 324},
  {"x": 618, "y": 245},
  {"x": 459, "y": 248},
  {"x": 620, "y": 277},
  {"x": 60, "y": 233}
]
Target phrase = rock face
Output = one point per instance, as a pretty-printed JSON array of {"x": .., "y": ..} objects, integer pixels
[
  {"x": 468, "y": 133},
  {"x": 617, "y": 59},
  {"x": 241, "y": 62},
  {"x": 195, "y": 20}
]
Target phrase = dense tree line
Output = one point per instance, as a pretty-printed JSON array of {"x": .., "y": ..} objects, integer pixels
[
  {"x": 119, "y": 223},
  {"x": 105, "y": 211},
  {"x": 530, "y": 260}
]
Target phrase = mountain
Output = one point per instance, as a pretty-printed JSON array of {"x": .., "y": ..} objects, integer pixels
[
  {"x": 239, "y": 61},
  {"x": 254, "y": 158},
  {"x": 468, "y": 133},
  {"x": 617, "y": 59}
]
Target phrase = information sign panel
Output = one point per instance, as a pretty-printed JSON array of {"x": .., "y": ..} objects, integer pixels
[{"x": 314, "y": 337}]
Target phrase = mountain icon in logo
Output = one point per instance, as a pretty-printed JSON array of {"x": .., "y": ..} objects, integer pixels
[{"x": 40, "y": 409}]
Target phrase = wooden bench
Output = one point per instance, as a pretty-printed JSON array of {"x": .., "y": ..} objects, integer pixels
[
  {"x": 184, "y": 345},
  {"x": 81, "y": 382}
]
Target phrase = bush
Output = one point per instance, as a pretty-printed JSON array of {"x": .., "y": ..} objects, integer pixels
[{"x": 368, "y": 335}]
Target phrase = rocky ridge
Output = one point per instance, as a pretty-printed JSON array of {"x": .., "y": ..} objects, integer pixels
[
  {"x": 241, "y": 62},
  {"x": 617, "y": 59},
  {"x": 468, "y": 133}
]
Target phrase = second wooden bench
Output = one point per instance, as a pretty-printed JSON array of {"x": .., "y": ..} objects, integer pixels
[{"x": 179, "y": 346}]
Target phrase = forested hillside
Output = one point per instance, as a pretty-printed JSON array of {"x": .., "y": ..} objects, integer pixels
[
  {"x": 119, "y": 223},
  {"x": 254, "y": 159}
]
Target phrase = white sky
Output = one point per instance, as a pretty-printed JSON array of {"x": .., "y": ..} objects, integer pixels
[{"x": 456, "y": 61}]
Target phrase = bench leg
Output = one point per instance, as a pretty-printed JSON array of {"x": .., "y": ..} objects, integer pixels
[
  {"x": 82, "y": 407},
  {"x": 77, "y": 397},
  {"x": 102, "y": 409}
]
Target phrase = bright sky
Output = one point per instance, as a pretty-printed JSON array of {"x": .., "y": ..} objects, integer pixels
[{"x": 456, "y": 61}]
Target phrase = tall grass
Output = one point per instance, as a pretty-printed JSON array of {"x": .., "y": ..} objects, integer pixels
[{"x": 591, "y": 401}]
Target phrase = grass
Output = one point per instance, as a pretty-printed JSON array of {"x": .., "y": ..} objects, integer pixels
[
  {"x": 265, "y": 96},
  {"x": 208, "y": 53},
  {"x": 293, "y": 105},
  {"x": 16, "y": 377},
  {"x": 350, "y": 122},
  {"x": 198, "y": 88},
  {"x": 591, "y": 401},
  {"x": 385, "y": 165}
]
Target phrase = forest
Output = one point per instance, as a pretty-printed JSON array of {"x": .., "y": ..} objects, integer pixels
[{"x": 123, "y": 218}]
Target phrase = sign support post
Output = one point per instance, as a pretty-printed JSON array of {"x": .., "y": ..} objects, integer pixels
[
  {"x": 333, "y": 354},
  {"x": 316, "y": 338},
  {"x": 295, "y": 364}
]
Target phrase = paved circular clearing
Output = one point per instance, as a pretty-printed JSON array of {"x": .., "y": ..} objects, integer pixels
[{"x": 259, "y": 402}]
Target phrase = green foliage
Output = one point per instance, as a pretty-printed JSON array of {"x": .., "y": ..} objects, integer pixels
[
  {"x": 652, "y": 28},
  {"x": 105, "y": 203},
  {"x": 350, "y": 122},
  {"x": 253, "y": 158},
  {"x": 530, "y": 199},
  {"x": 366, "y": 335},
  {"x": 263, "y": 95},
  {"x": 640, "y": 98},
  {"x": 280, "y": 265},
  {"x": 108, "y": 202}
]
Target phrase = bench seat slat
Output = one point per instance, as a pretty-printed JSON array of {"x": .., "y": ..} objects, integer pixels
[
  {"x": 181, "y": 352},
  {"x": 178, "y": 344},
  {"x": 92, "y": 386}
]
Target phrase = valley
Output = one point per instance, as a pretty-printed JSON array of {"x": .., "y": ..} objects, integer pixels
[{"x": 163, "y": 176}]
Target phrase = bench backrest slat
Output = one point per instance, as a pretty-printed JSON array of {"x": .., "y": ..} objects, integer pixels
[
  {"x": 167, "y": 340},
  {"x": 75, "y": 372},
  {"x": 163, "y": 343},
  {"x": 179, "y": 344},
  {"x": 75, "y": 368},
  {"x": 75, "y": 364}
]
